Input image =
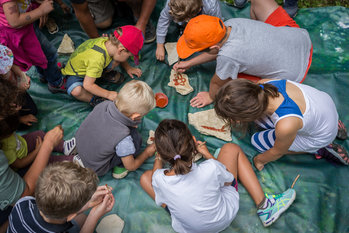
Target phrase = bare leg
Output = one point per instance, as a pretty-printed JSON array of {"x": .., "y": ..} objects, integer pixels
[
  {"x": 146, "y": 183},
  {"x": 234, "y": 159},
  {"x": 81, "y": 94},
  {"x": 261, "y": 9}
]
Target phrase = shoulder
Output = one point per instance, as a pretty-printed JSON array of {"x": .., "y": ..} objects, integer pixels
[{"x": 288, "y": 126}]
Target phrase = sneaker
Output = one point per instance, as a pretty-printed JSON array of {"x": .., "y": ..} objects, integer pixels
[
  {"x": 96, "y": 100},
  {"x": 240, "y": 3},
  {"x": 276, "y": 205},
  {"x": 69, "y": 147},
  {"x": 56, "y": 89},
  {"x": 150, "y": 33},
  {"x": 113, "y": 76},
  {"x": 119, "y": 172},
  {"x": 291, "y": 7},
  {"x": 334, "y": 152},
  {"x": 77, "y": 160},
  {"x": 342, "y": 131}
]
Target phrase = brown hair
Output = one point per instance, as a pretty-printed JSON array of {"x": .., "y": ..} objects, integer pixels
[
  {"x": 182, "y": 10},
  {"x": 113, "y": 39},
  {"x": 63, "y": 188},
  {"x": 8, "y": 126},
  {"x": 241, "y": 101},
  {"x": 10, "y": 98},
  {"x": 172, "y": 137}
]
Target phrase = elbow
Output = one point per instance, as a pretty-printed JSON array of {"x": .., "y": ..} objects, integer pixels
[
  {"x": 131, "y": 168},
  {"x": 14, "y": 24}
]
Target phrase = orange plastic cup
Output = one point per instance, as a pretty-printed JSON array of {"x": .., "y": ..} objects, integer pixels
[{"x": 161, "y": 100}]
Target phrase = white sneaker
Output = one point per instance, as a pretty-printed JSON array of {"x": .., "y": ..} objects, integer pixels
[
  {"x": 77, "y": 160},
  {"x": 69, "y": 147}
]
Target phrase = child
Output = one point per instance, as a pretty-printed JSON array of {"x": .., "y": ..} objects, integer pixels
[
  {"x": 28, "y": 44},
  {"x": 21, "y": 151},
  {"x": 296, "y": 117},
  {"x": 181, "y": 11},
  {"x": 204, "y": 197},
  {"x": 108, "y": 136},
  {"x": 63, "y": 191},
  {"x": 93, "y": 56},
  {"x": 279, "y": 48}
]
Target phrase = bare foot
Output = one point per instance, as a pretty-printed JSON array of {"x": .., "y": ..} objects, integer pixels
[
  {"x": 201, "y": 100},
  {"x": 259, "y": 165}
]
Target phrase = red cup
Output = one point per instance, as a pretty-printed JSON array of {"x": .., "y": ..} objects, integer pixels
[{"x": 161, "y": 100}]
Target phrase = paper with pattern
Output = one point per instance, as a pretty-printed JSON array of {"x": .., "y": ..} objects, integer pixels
[
  {"x": 171, "y": 49},
  {"x": 110, "y": 224},
  {"x": 151, "y": 137},
  {"x": 180, "y": 81},
  {"x": 66, "y": 46},
  {"x": 208, "y": 123}
]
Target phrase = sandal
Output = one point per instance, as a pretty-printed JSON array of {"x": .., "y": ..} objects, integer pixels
[
  {"x": 342, "y": 131},
  {"x": 51, "y": 25},
  {"x": 334, "y": 152},
  {"x": 113, "y": 76}
]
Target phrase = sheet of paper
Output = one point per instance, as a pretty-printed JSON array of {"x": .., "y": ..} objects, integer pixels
[
  {"x": 180, "y": 82},
  {"x": 151, "y": 137},
  {"x": 66, "y": 46},
  {"x": 110, "y": 224},
  {"x": 171, "y": 49}
]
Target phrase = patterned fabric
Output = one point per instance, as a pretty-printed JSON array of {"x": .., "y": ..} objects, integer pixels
[{"x": 6, "y": 59}]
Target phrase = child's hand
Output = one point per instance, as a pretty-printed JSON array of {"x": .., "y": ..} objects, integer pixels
[
  {"x": 160, "y": 52},
  {"x": 202, "y": 148},
  {"x": 38, "y": 144},
  {"x": 46, "y": 7},
  {"x": 112, "y": 95},
  {"x": 134, "y": 71},
  {"x": 54, "y": 136},
  {"x": 258, "y": 164},
  {"x": 98, "y": 196},
  {"x": 181, "y": 67},
  {"x": 150, "y": 150},
  {"x": 104, "y": 207},
  {"x": 28, "y": 119},
  {"x": 43, "y": 21},
  {"x": 24, "y": 82}
]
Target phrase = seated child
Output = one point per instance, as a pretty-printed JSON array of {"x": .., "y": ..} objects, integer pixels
[
  {"x": 108, "y": 136},
  {"x": 94, "y": 56},
  {"x": 28, "y": 44},
  {"x": 181, "y": 11},
  {"x": 204, "y": 197},
  {"x": 21, "y": 151},
  {"x": 297, "y": 118},
  {"x": 21, "y": 83},
  {"x": 63, "y": 192}
]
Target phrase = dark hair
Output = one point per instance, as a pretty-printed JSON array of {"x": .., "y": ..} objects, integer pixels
[
  {"x": 10, "y": 98},
  {"x": 8, "y": 125},
  {"x": 172, "y": 137},
  {"x": 181, "y": 10},
  {"x": 241, "y": 101}
]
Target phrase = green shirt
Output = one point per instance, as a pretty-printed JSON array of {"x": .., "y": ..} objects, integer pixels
[{"x": 14, "y": 147}]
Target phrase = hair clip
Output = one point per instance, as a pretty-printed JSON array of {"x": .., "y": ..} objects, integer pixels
[
  {"x": 177, "y": 157},
  {"x": 262, "y": 86}
]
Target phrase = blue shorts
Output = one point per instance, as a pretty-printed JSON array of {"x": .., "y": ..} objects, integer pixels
[{"x": 75, "y": 81}]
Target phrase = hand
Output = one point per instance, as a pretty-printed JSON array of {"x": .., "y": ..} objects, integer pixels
[
  {"x": 202, "y": 148},
  {"x": 66, "y": 9},
  {"x": 160, "y": 52},
  {"x": 43, "y": 21},
  {"x": 112, "y": 95},
  {"x": 99, "y": 195},
  {"x": 150, "y": 150},
  {"x": 182, "y": 66},
  {"x": 201, "y": 100},
  {"x": 257, "y": 163},
  {"x": 54, "y": 136},
  {"x": 46, "y": 7},
  {"x": 134, "y": 71},
  {"x": 28, "y": 119},
  {"x": 104, "y": 207},
  {"x": 24, "y": 82},
  {"x": 38, "y": 144}
]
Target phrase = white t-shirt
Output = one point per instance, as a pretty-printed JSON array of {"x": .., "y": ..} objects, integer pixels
[{"x": 198, "y": 201}]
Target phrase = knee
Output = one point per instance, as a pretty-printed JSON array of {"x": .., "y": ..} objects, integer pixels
[
  {"x": 76, "y": 91},
  {"x": 106, "y": 23},
  {"x": 145, "y": 179},
  {"x": 231, "y": 148}
]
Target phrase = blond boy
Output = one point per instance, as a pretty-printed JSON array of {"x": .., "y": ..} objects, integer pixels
[
  {"x": 63, "y": 191},
  {"x": 181, "y": 11},
  {"x": 108, "y": 137},
  {"x": 97, "y": 56}
]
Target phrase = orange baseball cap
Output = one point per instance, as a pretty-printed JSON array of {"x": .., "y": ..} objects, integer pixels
[{"x": 200, "y": 33}]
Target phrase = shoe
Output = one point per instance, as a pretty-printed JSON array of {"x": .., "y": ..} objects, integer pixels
[
  {"x": 276, "y": 205},
  {"x": 119, "y": 172},
  {"x": 69, "y": 147},
  {"x": 77, "y": 160},
  {"x": 291, "y": 7},
  {"x": 96, "y": 100},
  {"x": 113, "y": 76},
  {"x": 61, "y": 88},
  {"x": 334, "y": 152},
  {"x": 342, "y": 131},
  {"x": 240, "y": 3},
  {"x": 150, "y": 33}
]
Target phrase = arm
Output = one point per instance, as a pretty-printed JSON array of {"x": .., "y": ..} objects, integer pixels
[
  {"x": 285, "y": 132},
  {"x": 132, "y": 163},
  {"x": 200, "y": 59},
  {"x": 215, "y": 84},
  {"x": 163, "y": 24},
  {"x": 85, "y": 19},
  {"x": 90, "y": 85},
  {"x": 17, "y": 19},
  {"x": 51, "y": 140},
  {"x": 21, "y": 163},
  {"x": 157, "y": 163}
]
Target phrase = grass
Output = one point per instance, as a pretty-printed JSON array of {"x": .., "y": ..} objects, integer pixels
[{"x": 313, "y": 3}]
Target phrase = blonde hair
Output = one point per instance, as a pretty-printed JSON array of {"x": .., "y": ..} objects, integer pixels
[
  {"x": 63, "y": 188},
  {"x": 113, "y": 39},
  {"x": 135, "y": 97},
  {"x": 183, "y": 10}
]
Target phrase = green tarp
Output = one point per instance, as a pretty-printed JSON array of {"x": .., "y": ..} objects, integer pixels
[{"x": 322, "y": 203}]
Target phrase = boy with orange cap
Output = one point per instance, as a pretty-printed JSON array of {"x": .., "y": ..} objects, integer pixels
[
  {"x": 97, "y": 58},
  {"x": 270, "y": 46}
]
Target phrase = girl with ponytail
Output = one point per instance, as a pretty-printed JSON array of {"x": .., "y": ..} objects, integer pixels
[
  {"x": 296, "y": 118},
  {"x": 204, "y": 197}
]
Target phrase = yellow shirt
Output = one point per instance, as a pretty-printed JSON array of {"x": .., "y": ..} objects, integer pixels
[
  {"x": 90, "y": 58},
  {"x": 14, "y": 147}
]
